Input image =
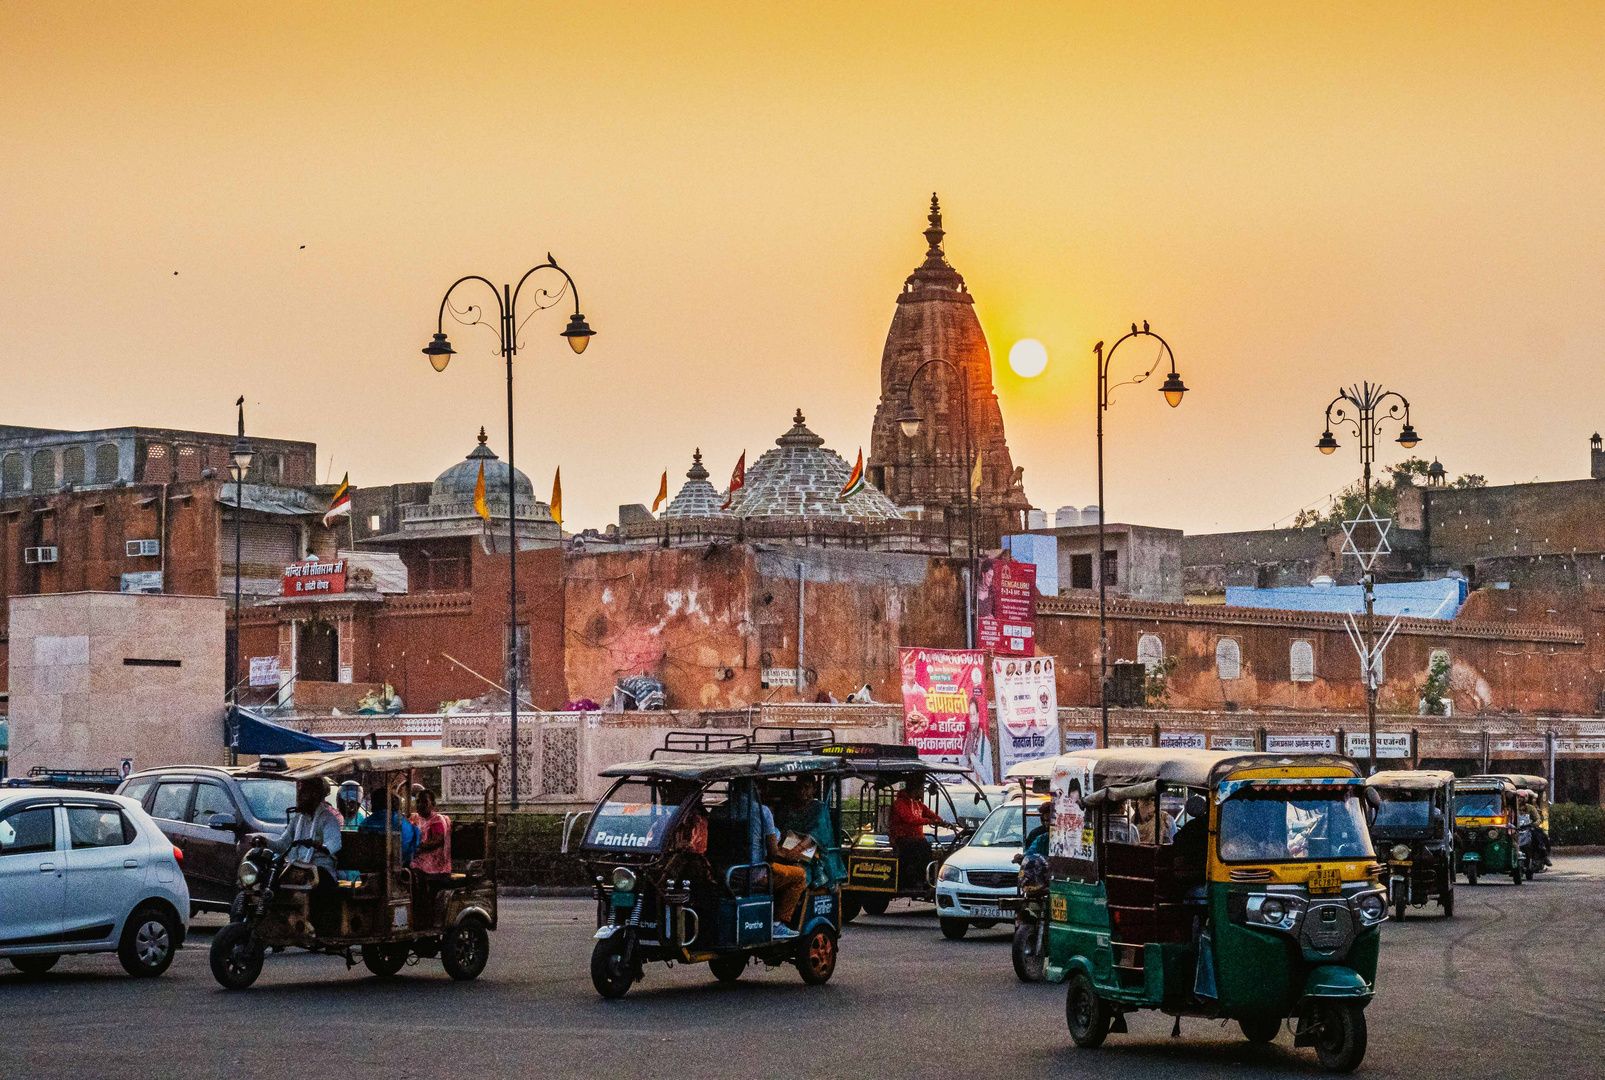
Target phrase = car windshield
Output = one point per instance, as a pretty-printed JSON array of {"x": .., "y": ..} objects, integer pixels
[
  {"x": 967, "y": 802},
  {"x": 1398, "y": 811},
  {"x": 1002, "y": 829},
  {"x": 269, "y": 800},
  {"x": 634, "y": 816},
  {"x": 1268, "y": 826},
  {"x": 1479, "y": 804}
]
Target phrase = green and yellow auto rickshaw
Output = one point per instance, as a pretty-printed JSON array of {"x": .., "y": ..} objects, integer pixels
[
  {"x": 1532, "y": 820},
  {"x": 1487, "y": 828},
  {"x": 1259, "y": 901}
]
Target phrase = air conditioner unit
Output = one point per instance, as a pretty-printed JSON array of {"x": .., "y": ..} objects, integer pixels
[
  {"x": 38, "y": 555},
  {"x": 137, "y": 548}
]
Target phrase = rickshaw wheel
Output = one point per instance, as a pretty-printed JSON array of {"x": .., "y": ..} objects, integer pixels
[
  {"x": 1085, "y": 1013},
  {"x": 1340, "y": 1047},
  {"x": 1515, "y": 874},
  {"x": 235, "y": 964},
  {"x": 727, "y": 969},
  {"x": 1401, "y": 903},
  {"x": 608, "y": 972},
  {"x": 850, "y": 907},
  {"x": 1027, "y": 954},
  {"x": 1447, "y": 902},
  {"x": 1471, "y": 875},
  {"x": 465, "y": 948},
  {"x": 816, "y": 956},
  {"x": 385, "y": 959},
  {"x": 1260, "y": 1029},
  {"x": 876, "y": 905}
]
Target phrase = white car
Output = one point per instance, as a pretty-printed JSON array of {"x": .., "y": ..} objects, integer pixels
[
  {"x": 83, "y": 872},
  {"x": 979, "y": 884}
]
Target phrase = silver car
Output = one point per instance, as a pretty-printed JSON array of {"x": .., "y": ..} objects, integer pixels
[{"x": 82, "y": 873}]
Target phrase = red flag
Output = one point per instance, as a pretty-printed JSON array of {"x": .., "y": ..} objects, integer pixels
[{"x": 737, "y": 479}]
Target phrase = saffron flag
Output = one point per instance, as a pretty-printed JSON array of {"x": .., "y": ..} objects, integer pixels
[
  {"x": 557, "y": 495},
  {"x": 855, "y": 480},
  {"x": 663, "y": 491},
  {"x": 340, "y": 506},
  {"x": 737, "y": 479},
  {"x": 480, "y": 506}
]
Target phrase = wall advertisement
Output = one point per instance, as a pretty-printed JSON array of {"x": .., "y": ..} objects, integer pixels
[
  {"x": 1071, "y": 783},
  {"x": 1005, "y": 608},
  {"x": 1028, "y": 709},
  {"x": 944, "y": 707}
]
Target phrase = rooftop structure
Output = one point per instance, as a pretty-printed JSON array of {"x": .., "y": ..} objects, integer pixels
[
  {"x": 802, "y": 478},
  {"x": 697, "y": 498}
]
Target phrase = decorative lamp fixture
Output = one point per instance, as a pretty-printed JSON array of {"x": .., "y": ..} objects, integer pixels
[
  {"x": 1327, "y": 445},
  {"x": 439, "y": 352},
  {"x": 578, "y": 332},
  {"x": 243, "y": 454},
  {"x": 1408, "y": 437},
  {"x": 910, "y": 422},
  {"x": 1173, "y": 389}
]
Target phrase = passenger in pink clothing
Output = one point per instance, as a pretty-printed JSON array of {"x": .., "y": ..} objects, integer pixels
[{"x": 434, "y": 837}]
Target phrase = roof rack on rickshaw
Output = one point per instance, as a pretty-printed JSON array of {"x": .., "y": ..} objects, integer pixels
[{"x": 794, "y": 739}]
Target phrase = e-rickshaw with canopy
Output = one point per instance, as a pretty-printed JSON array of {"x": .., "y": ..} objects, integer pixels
[
  {"x": 1532, "y": 819},
  {"x": 1259, "y": 902},
  {"x": 1412, "y": 830},
  {"x": 1488, "y": 828},
  {"x": 377, "y": 906},
  {"x": 678, "y": 852},
  {"x": 876, "y": 873}
]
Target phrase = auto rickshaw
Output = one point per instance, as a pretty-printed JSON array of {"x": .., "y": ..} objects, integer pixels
[
  {"x": 1263, "y": 904},
  {"x": 378, "y": 906},
  {"x": 659, "y": 898},
  {"x": 1532, "y": 820},
  {"x": 1413, "y": 831},
  {"x": 876, "y": 875},
  {"x": 1487, "y": 828}
]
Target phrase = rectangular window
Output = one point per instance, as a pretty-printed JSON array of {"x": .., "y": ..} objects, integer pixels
[
  {"x": 97, "y": 827},
  {"x": 28, "y": 831},
  {"x": 172, "y": 801},
  {"x": 1081, "y": 571},
  {"x": 1111, "y": 567}
]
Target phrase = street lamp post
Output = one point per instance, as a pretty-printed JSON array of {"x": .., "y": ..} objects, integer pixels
[
  {"x": 440, "y": 352},
  {"x": 1366, "y": 399},
  {"x": 240, "y": 458},
  {"x": 910, "y": 422},
  {"x": 1173, "y": 389}
]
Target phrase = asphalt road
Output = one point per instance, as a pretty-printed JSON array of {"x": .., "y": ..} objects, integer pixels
[{"x": 1512, "y": 987}]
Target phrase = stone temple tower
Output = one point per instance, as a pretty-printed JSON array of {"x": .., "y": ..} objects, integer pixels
[{"x": 936, "y": 318}]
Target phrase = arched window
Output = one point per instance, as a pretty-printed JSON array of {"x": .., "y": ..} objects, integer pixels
[
  {"x": 72, "y": 465},
  {"x": 11, "y": 474},
  {"x": 1228, "y": 659},
  {"x": 44, "y": 471},
  {"x": 106, "y": 463},
  {"x": 1150, "y": 652},
  {"x": 1301, "y": 661}
]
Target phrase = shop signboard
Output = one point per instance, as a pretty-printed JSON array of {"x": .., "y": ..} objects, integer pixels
[
  {"x": 1301, "y": 744},
  {"x": 314, "y": 577}
]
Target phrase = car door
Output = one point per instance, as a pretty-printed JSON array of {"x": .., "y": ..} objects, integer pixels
[
  {"x": 106, "y": 870},
  {"x": 168, "y": 807},
  {"x": 33, "y": 879},
  {"x": 210, "y": 855}
]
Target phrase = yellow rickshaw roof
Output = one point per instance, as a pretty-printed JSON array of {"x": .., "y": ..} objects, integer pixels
[
  {"x": 1191, "y": 768},
  {"x": 1521, "y": 780},
  {"x": 1411, "y": 779}
]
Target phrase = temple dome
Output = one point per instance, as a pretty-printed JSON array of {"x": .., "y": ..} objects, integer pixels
[
  {"x": 697, "y": 498},
  {"x": 801, "y": 477},
  {"x": 457, "y": 483}
]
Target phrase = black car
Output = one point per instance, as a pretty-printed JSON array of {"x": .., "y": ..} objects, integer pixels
[{"x": 189, "y": 802}]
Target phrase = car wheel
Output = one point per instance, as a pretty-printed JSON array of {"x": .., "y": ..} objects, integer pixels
[
  {"x": 1260, "y": 1029},
  {"x": 1340, "y": 1045},
  {"x": 876, "y": 905},
  {"x": 150, "y": 939},
  {"x": 1085, "y": 1013},
  {"x": 37, "y": 964},
  {"x": 235, "y": 958},
  {"x": 816, "y": 956},
  {"x": 954, "y": 929},
  {"x": 727, "y": 969},
  {"x": 384, "y": 959},
  {"x": 465, "y": 949}
]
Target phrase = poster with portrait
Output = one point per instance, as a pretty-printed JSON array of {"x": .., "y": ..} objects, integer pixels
[
  {"x": 1005, "y": 607},
  {"x": 1028, "y": 708},
  {"x": 1071, "y": 783},
  {"x": 944, "y": 707}
]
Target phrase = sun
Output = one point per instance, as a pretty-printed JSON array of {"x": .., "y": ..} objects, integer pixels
[{"x": 1028, "y": 358}]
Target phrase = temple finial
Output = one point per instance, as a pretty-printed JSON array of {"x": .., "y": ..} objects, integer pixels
[
  {"x": 482, "y": 435},
  {"x": 934, "y": 234}
]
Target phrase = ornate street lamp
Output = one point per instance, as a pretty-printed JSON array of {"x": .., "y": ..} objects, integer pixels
[
  {"x": 910, "y": 423},
  {"x": 439, "y": 351},
  {"x": 240, "y": 458}
]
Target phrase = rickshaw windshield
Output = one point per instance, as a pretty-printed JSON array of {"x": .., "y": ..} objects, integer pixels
[
  {"x": 1404, "y": 810},
  {"x": 635, "y": 816},
  {"x": 1266, "y": 826},
  {"x": 1479, "y": 804},
  {"x": 1002, "y": 828}
]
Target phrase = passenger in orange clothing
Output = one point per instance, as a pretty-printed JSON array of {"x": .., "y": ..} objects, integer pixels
[{"x": 910, "y": 815}]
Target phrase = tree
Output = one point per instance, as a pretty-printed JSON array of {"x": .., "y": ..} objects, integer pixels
[
  {"x": 1436, "y": 688},
  {"x": 1346, "y": 504}
]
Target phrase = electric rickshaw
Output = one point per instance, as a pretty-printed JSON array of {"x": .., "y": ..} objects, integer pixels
[
  {"x": 1487, "y": 828},
  {"x": 1260, "y": 902},
  {"x": 876, "y": 873},
  {"x": 377, "y": 906},
  {"x": 1532, "y": 819},
  {"x": 660, "y": 898},
  {"x": 1413, "y": 832}
]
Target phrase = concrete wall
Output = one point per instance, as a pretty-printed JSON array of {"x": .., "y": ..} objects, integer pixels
[
  {"x": 1463, "y": 526},
  {"x": 1277, "y": 558},
  {"x": 77, "y": 702}
]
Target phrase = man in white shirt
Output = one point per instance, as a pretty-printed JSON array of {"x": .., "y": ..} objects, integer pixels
[{"x": 312, "y": 832}]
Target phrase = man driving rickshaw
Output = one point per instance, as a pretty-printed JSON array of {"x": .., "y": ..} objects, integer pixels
[
  {"x": 1413, "y": 829},
  {"x": 1532, "y": 819},
  {"x": 319, "y": 888},
  {"x": 1273, "y": 916}
]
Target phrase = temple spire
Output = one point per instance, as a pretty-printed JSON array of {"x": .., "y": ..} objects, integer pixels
[{"x": 934, "y": 234}]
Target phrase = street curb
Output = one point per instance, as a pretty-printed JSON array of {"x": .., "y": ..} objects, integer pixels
[
  {"x": 1580, "y": 849},
  {"x": 543, "y": 890}
]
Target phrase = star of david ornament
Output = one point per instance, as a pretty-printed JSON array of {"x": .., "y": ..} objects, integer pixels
[{"x": 1367, "y": 557}]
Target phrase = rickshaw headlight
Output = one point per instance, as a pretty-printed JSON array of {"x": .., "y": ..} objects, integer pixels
[
  {"x": 624, "y": 879},
  {"x": 1493, "y": 834},
  {"x": 248, "y": 873},
  {"x": 951, "y": 873},
  {"x": 1400, "y": 852},
  {"x": 1273, "y": 909},
  {"x": 1372, "y": 907}
]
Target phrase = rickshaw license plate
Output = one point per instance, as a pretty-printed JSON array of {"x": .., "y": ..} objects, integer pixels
[
  {"x": 1328, "y": 879},
  {"x": 985, "y": 911}
]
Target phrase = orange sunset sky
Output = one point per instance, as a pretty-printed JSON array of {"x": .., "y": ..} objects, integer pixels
[{"x": 1295, "y": 195}]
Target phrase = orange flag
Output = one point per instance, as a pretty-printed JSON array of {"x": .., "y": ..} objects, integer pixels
[
  {"x": 480, "y": 506},
  {"x": 663, "y": 491},
  {"x": 557, "y": 495}
]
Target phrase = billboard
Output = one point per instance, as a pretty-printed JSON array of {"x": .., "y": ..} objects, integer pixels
[
  {"x": 944, "y": 707},
  {"x": 1005, "y": 607},
  {"x": 1028, "y": 708}
]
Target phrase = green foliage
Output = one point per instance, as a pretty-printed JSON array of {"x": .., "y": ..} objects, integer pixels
[
  {"x": 1155, "y": 691},
  {"x": 1411, "y": 472},
  {"x": 1436, "y": 688},
  {"x": 1572, "y": 824}
]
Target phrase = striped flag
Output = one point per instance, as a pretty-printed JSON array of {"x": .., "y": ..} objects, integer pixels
[
  {"x": 663, "y": 491},
  {"x": 737, "y": 480},
  {"x": 855, "y": 480},
  {"x": 340, "y": 506}
]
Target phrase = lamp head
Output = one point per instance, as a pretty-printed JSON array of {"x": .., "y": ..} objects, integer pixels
[
  {"x": 439, "y": 352},
  {"x": 242, "y": 454},
  {"x": 1408, "y": 437},
  {"x": 578, "y": 332},
  {"x": 1327, "y": 444},
  {"x": 910, "y": 422},
  {"x": 1173, "y": 389}
]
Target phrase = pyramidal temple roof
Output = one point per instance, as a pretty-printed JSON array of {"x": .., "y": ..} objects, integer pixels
[
  {"x": 801, "y": 477},
  {"x": 697, "y": 498}
]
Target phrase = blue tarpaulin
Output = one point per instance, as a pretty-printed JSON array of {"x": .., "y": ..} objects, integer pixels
[
  {"x": 1439, "y": 599},
  {"x": 249, "y": 733}
]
